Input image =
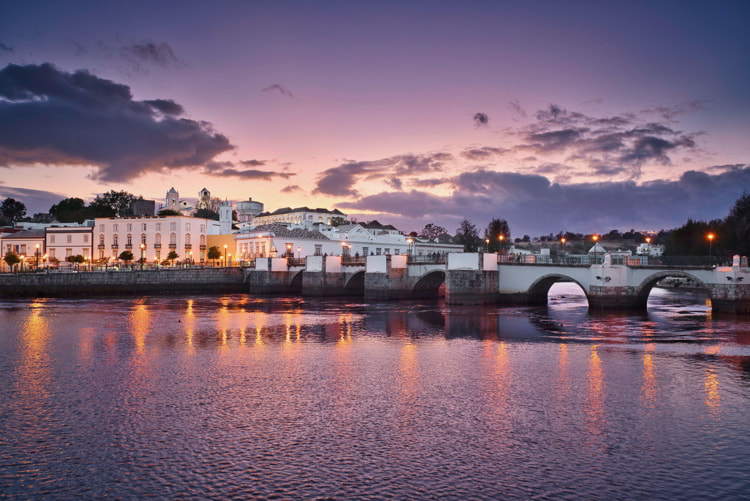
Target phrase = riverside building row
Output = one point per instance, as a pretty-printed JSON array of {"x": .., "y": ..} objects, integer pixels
[{"x": 287, "y": 232}]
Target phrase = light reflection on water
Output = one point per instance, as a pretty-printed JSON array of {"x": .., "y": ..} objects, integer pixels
[{"x": 241, "y": 397}]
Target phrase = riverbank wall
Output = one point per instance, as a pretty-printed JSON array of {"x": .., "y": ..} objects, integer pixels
[{"x": 131, "y": 282}]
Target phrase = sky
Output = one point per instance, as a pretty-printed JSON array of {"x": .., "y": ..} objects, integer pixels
[{"x": 554, "y": 115}]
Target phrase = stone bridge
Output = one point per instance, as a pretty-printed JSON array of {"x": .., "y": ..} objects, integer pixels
[{"x": 471, "y": 278}]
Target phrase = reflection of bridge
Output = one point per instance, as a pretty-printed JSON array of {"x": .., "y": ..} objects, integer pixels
[{"x": 478, "y": 278}]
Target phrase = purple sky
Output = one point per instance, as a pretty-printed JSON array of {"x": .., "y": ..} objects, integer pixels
[{"x": 573, "y": 116}]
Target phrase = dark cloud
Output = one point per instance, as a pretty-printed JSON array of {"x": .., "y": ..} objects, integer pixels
[
  {"x": 53, "y": 117},
  {"x": 5, "y": 48},
  {"x": 229, "y": 169},
  {"x": 483, "y": 153},
  {"x": 533, "y": 205},
  {"x": 610, "y": 145},
  {"x": 151, "y": 54},
  {"x": 253, "y": 163},
  {"x": 672, "y": 112},
  {"x": 292, "y": 188},
  {"x": 34, "y": 200},
  {"x": 516, "y": 108},
  {"x": 395, "y": 183},
  {"x": 481, "y": 119},
  {"x": 166, "y": 106},
  {"x": 340, "y": 180},
  {"x": 279, "y": 88}
]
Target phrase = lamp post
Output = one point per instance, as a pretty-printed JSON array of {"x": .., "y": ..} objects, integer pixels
[
  {"x": 44, "y": 261},
  {"x": 225, "y": 254},
  {"x": 37, "y": 256},
  {"x": 230, "y": 258},
  {"x": 299, "y": 252},
  {"x": 22, "y": 257},
  {"x": 409, "y": 241},
  {"x": 486, "y": 245},
  {"x": 190, "y": 257},
  {"x": 143, "y": 247},
  {"x": 648, "y": 248},
  {"x": 710, "y": 238}
]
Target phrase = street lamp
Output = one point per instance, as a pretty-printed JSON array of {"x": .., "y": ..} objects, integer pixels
[
  {"x": 299, "y": 252},
  {"x": 37, "y": 256},
  {"x": 44, "y": 261},
  {"x": 486, "y": 245},
  {"x": 230, "y": 257},
  {"x": 22, "y": 257},
  {"x": 648, "y": 247},
  {"x": 225, "y": 254},
  {"x": 710, "y": 238},
  {"x": 409, "y": 241},
  {"x": 143, "y": 247}
]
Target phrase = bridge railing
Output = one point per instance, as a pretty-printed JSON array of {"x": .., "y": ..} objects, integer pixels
[
  {"x": 427, "y": 259},
  {"x": 353, "y": 260},
  {"x": 295, "y": 261},
  {"x": 587, "y": 260}
]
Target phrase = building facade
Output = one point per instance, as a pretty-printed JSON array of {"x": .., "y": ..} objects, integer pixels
[
  {"x": 61, "y": 243},
  {"x": 300, "y": 215},
  {"x": 153, "y": 238}
]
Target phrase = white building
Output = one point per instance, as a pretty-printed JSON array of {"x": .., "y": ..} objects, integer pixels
[
  {"x": 159, "y": 235},
  {"x": 63, "y": 242},
  {"x": 300, "y": 215},
  {"x": 647, "y": 249},
  {"x": 28, "y": 243}
]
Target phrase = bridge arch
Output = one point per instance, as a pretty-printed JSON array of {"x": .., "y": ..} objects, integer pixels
[
  {"x": 356, "y": 284},
  {"x": 643, "y": 290},
  {"x": 429, "y": 284},
  {"x": 537, "y": 292}
]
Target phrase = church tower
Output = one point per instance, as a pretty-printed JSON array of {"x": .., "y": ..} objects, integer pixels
[
  {"x": 204, "y": 199},
  {"x": 225, "y": 218},
  {"x": 173, "y": 200}
]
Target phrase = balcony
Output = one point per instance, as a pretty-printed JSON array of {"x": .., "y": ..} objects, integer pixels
[
  {"x": 188, "y": 246},
  {"x": 128, "y": 246},
  {"x": 203, "y": 247},
  {"x": 101, "y": 246},
  {"x": 157, "y": 246},
  {"x": 115, "y": 246},
  {"x": 172, "y": 246}
]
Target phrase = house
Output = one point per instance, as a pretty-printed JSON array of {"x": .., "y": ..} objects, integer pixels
[{"x": 27, "y": 245}]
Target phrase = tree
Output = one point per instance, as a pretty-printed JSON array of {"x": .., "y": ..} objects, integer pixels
[
  {"x": 126, "y": 256},
  {"x": 12, "y": 209},
  {"x": 496, "y": 229},
  {"x": 11, "y": 259},
  {"x": 214, "y": 253},
  {"x": 172, "y": 256},
  {"x": 76, "y": 259},
  {"x": 71, "y": 210},
  {"x": 432, "y": 231},
  {"x": 338, "y": 221},
  {"x": 207, "y": 214},
  {"x": 113, "y": 203},
  {"x": 738, "y": 226},
  {"x": 169, "y": 212},
  {"x": 467, "y": 235}
]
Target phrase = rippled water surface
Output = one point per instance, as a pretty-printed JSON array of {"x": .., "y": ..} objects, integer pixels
[{"x": 238, "y": 397}]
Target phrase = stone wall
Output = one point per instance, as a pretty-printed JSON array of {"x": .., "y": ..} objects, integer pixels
[{"x": 96, "y": 283}]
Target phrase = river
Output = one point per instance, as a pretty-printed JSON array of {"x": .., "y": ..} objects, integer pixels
[{"x": 236, "y": 397}]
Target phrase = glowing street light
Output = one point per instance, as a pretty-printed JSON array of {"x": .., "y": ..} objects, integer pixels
[
  {"x": 486, "y": 245},
  {"x": 37, "y": 256},
  {"x": 710, "y": 238},
  {"x": 595, "y": 238},
  {"x": 143, "y": 248}
]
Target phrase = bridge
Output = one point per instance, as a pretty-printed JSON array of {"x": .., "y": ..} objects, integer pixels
[{"x": 478, "y": 278}]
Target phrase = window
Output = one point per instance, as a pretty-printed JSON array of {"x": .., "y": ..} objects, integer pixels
[
  {"x": 365, "y": 251},
  {"x": 143, "y": 227},
  {"x": 158, "y": 226},
  {"x": 68, "y": 253},
  {"x": 101, "y": 229},
  {"x": 187, "y": 238},
  {"x": 377, "y": 251},
  {"x": 187, "y": 226},
  {"x": 173, "y": 238},
  {"x": 318, "y": 248},
  {"x": 114, "y": 240},
  {"x": 203, "y": 239},
  {"x": 157, "y": 239},
  {"x": 158, "y": 255},
  {"x": 143, "y": 238},
  {"x": 52, "y": 239},
  {"x": 69, "y": 239},
  {"x": 52, "y": 253},
  {"x": 387, "y": 250},
  {"x": 203, "y": 228},
  {"x": 114, "y": 227},
  {"x": 23, "y": 249},
  {"x": 396, "y": 251},
  {"x": 101, "y": 253},
  {"x": 130, "y": 240},
  {"x": 86, "y": 238},
  {"x": 101, "y": 239},
  {"x": 130, "y": 227},
  {"x": 85, "y": 252},
  {"x": 173, "y": 226}
]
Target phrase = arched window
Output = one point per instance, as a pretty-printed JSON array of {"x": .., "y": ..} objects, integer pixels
[
  {"x": 143, "y": 238},
  {"x": 157, "y": 239},
  {"x": 130, "y": 239},
  {"x": 173, "y": 238},
  {"x": 101, "y": 239},
  {"x": 203, "y": 239},
  {"x": 187, "y": 238},
  {"x": 114, "y": 239}
]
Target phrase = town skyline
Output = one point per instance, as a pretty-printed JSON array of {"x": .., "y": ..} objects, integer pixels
[{"x": 584, "y": 118}]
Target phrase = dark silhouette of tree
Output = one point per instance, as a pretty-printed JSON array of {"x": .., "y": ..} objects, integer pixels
[
  {"x": 213, "y": 253},
  {"x": 113, "y": 203},
  {"x": 467, "y": 235},
  {"x": 126, "y": 256},
  {"x": 169, "y": 212},
  {"x": 737, "y": 226},
  {"x": 11, "y": 259},
  {"x": 71, "y": 210},
  {"x": 493, "y": 232},
  {"x": 432, "y": 231},
  {"x": 172, "y": 256},
  {"x": 12, "y": 209},
  {"x": 207, "y": 214}
]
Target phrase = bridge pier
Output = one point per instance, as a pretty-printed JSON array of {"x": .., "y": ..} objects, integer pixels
[
  {"x": 472, "y": 279},
  {"x": 326, "y": 276},
  {"x": 273, "y": 276}
]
